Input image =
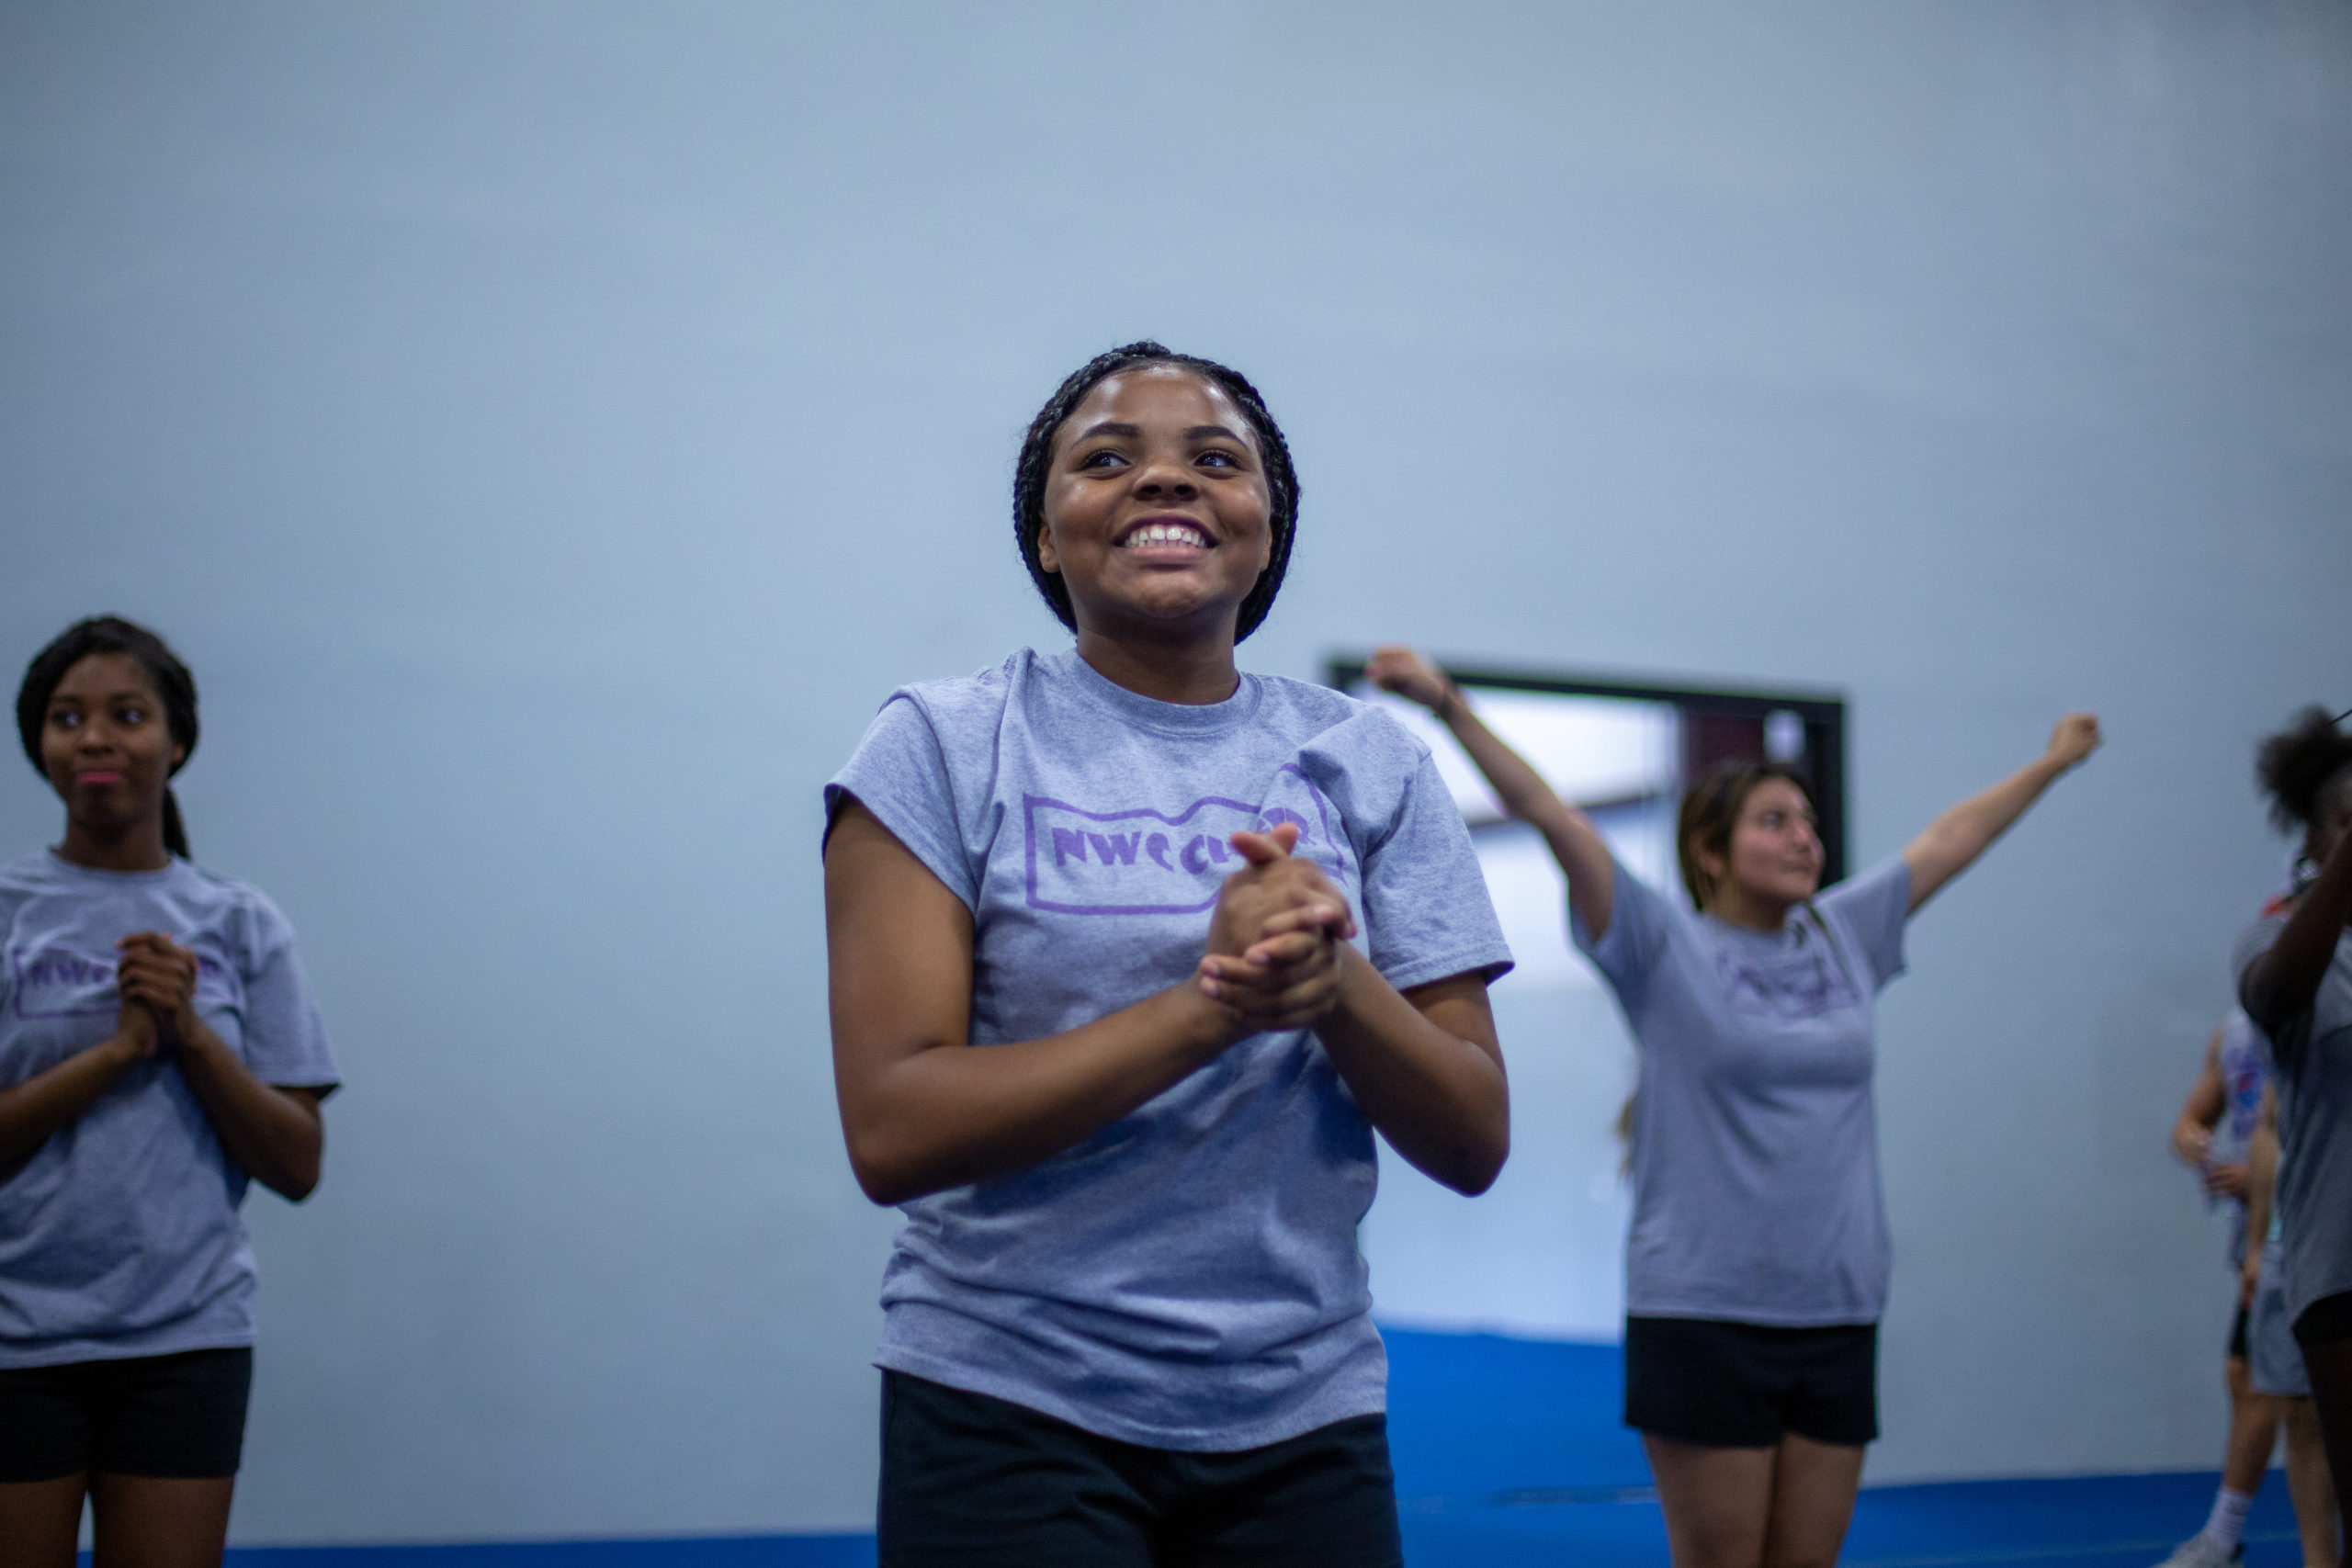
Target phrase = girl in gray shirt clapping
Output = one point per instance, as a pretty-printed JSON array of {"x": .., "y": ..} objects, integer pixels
[{"x": 1756, "y": 1266}]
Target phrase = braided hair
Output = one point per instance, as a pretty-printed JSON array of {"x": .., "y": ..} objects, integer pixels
[
  {"x": 2302, "y": 766},
  {"x": 172, "y": 682},
  {"x": 1036, "y": 460}
]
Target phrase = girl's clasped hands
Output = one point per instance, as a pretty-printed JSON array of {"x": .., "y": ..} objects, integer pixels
[{"x": 1276, "y": 938}]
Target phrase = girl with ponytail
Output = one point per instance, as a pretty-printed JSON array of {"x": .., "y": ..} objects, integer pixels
[{"x": 159, "y": 1047}]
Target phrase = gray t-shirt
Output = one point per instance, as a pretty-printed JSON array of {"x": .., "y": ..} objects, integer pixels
[
  {"x": 2311, "y": 1077},
  {"x": 1188, "y": 1277},
  {"x": 1756, "y": 1177},
  {"x": 119, "y": 1237}
]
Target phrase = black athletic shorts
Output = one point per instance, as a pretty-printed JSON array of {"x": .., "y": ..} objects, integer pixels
[
  {"x": 2326, "y": 1320},
  {"x": 1747, "y": 1385},
  {"x": 2238, "y": 1350},
  {"x": 182, "y": 1416},
  {"x": 979, "y": 1483}
]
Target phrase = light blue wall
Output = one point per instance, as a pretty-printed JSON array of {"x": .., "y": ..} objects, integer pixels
[{"x": 550, "y": 429}]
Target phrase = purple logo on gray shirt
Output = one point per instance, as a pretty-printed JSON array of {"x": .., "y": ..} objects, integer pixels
[
  {"x": 52, "y": 980},
  {"x": 1805, "y": 983},
  {"x": 1143, "y": 861}
]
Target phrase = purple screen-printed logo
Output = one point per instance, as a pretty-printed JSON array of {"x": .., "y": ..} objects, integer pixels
[
  {"x": 1143, "y": 861},
  {"x": 57, "y": 981},
  {"x": 52, "y": 980}
]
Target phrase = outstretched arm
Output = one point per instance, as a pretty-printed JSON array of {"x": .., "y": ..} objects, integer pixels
[
  {"x": 1583, "y": 855},
  {"x": 2285, "y": 979},
  {"x": 1953, "y": 841}
]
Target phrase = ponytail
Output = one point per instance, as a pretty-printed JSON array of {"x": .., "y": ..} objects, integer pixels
[{"x": 174, "y": 830}]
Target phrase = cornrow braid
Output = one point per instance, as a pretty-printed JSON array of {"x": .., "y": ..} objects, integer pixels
[
  {"x": 2301, "y": 765},
  {"x": 1037, "y": 454},
  {"x": 171, "y": 679}
]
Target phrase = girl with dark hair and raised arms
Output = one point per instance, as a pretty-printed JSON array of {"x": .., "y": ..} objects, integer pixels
[
  {"x": 158, "y": 1047},
  {"x": 1131, "y": 953},
  {"x": 1757, "y": 1265},
  {"x": 2294, "y": 968}
]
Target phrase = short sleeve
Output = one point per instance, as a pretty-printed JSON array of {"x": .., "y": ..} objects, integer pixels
[
  {"x": 285, "y": 1037},
  {"x": 1426, "y": 912},
  {"x": 1870, "y": 910},
  {"x": 1640, "y": 920},
  {"x": 899, "y": 773},
  {"x": 2252, "y": 942},
  {"x": 2283, "y": 1046}
]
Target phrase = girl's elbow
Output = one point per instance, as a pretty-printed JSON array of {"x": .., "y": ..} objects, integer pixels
[
  {"x": 884, "y": 1172},
  {"x": 1477, "y": 1168},
  {"x": 294, "y": 1185}
]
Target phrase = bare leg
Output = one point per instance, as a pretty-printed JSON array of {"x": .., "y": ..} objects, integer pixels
[
  {"x": 2253, "y": 1430},
  {"x": 1813, "y": 1485},
  {"x": 147, "y": 1522},
  {"x": 2316, "y": 1518},
  {"x": 1718, "y": 1502},
  {"x": 40, "y": 1522}
]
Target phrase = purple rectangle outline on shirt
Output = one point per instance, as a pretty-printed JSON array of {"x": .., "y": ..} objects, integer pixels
[
  {"x": 16, "y": 956},
  {"x": 207, "y": 967},
  {"x": 1029, "y": 804}
]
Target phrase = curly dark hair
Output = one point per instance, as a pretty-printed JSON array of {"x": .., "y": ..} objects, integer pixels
[
  {"x": 2298, "y": 766},
  {"x": 171, "y": 679},
  {"x": 1037, "y": 458}
]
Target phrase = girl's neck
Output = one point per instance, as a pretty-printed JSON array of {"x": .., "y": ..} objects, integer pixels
[
  {"x": 136, "y": 846},
  {"x": 1194, "y": 673},
  {"x": 1737, "y": 906}
]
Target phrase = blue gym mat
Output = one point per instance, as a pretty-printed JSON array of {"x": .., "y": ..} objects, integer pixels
[{"x": 1509, "y": 1455}]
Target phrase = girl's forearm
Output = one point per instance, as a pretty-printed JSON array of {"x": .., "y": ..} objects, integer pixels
[
  {"x": 1440, "y": 1098},
  {"x": 1971, "y": 826},
  {"x": 956, "y": 1113},
  {"x": 1952, "y": 843},
  {"x": 273, "y": 1134},
  {"x": 1583, "y": 855},
  {"x": 34, "y": 1111},
  {"x": 1513, "y": 779}
]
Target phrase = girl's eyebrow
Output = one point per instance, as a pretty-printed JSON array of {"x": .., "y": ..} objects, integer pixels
[{"x": 1130, "y": 432}]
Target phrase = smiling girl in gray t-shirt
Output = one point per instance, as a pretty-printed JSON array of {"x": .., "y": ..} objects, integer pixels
[
  {"x": 1756, "y": 1266},
  {"x": 1132, "y": 952}
]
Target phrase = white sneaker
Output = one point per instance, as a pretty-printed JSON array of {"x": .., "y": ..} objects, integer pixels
[{"x": 2198, "y": 1552}]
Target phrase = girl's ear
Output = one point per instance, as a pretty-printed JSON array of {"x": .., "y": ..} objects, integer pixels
[{"x": 1046, "y": 558}]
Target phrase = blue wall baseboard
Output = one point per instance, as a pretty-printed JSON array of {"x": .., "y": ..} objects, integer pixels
[
  {"x": 1510, "y": 1454},
  {"x": 708, "y": 1551}
]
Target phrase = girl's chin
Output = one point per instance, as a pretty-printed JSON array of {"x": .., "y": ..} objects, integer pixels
[{"x": 1164, "y": 609}]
